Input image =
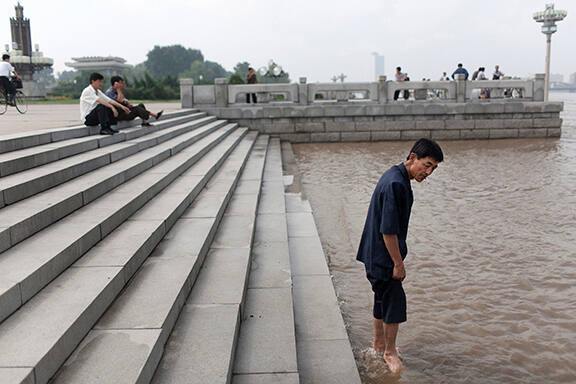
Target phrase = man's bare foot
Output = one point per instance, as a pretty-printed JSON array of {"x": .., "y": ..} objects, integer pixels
[{"x": 394, "y": 362}]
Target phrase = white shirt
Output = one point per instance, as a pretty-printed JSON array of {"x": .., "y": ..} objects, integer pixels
[
  {"x": 6, "y": 69},
  {"x": 89, "y": 101}
]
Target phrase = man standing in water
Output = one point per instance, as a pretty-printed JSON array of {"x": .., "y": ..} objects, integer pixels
[{"x": 383, "y": 245}]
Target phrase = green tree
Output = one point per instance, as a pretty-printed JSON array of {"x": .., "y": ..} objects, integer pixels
[
  {"x": 204, "y": 72},
  {"x": 236, "y": 78},
  {"x": 171, "y": 60}
]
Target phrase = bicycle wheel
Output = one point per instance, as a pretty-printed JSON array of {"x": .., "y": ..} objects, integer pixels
[
  {"x": 3, "y": 103},
  {"x": 21, "y": 103}
]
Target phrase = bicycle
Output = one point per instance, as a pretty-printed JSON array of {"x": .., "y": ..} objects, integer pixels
[{"x": 19, "y": 100}]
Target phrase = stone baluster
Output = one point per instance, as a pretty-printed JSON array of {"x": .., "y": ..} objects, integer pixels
[
  {"x": 460, "y": 87},
  {"x": 539, "y": 87},
  {"x": 221, "y": 91},
  {"x": 382, "y": 90},
  {"x": 302, "y": 91},
  {"x": 187, "y": 93}
]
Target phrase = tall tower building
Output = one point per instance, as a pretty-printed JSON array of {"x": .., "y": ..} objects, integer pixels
[
  {"x": 21, "y": 37},
  {"x": 379, "y": 69}
]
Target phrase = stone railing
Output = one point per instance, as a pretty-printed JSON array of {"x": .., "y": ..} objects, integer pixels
[{"x": 221, "y": 94}]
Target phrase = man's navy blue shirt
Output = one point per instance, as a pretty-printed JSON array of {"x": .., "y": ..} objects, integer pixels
[
  {"x": 111, "y": 93},
  {"x": 389, "y": 213},
  {"x": 461, "y": 71}
]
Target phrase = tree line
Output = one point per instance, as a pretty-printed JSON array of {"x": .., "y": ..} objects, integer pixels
[{"x": 157, "y": 78}]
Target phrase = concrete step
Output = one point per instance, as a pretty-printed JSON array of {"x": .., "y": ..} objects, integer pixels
[
  {"x": 56, "y": 320},
  {"x": 29, "y": 266},
  {"x": 21, "y": 160},
  {"x": 19, "y": 186},
  {"x": 23, "y": 219},
  {"x": 18, "y": 141},
  {"x": 202, "y": 345},
  {"x": 267, "y": 344},
  {"x": 126, "y": 344},
  {"x": 324, "y": 351}
]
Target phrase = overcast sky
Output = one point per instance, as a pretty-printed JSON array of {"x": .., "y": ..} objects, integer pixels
[{"x": 313, "y": 38}]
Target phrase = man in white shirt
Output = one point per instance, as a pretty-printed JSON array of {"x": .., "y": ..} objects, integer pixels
[
  {"x": 6, "y": 70},
  {"x": 97, "y": 108}
]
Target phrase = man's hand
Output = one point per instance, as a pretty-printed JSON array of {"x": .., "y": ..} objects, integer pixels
[
  {"x": 399, "y": 273},
  {"x": 114, "y": 111},
  {"x": 126, "y": 109}
]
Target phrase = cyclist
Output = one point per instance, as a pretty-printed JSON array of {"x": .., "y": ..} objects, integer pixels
[{"x": 6, "y": 70}]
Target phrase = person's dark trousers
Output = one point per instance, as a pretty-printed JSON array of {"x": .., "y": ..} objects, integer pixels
[
  {"x": 406, "y": 94},
  {"x": 101, "y": 115},
  {"x": 396, "y": 94},
  {"x": 135, "y": 111},
  {"x": 9, "y": 89},
  {"x": 254, "y": 100}
]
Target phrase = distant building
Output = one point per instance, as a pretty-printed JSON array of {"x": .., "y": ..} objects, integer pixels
[
  {"x": 573, "y": 78},
  {"x": 25, "y": 61},
  {"x": 556, "y": 78},
  {"x": 106, "y": 65},
  {"x": 379, "y": 69}
]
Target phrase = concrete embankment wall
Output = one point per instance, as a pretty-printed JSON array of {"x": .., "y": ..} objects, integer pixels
[{"x": 377, "y": 122}]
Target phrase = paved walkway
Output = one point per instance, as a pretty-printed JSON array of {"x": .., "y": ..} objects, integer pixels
[{"x": 42, "y": 116}]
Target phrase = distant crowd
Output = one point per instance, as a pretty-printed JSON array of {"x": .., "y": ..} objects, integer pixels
[{"x": 479, "y": 74}]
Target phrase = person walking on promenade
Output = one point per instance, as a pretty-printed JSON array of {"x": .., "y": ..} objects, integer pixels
[
  {"x": 400, "y": 77},
  {"x": 383, "y": 247},
  {"x": 444, "y": 77},
  {"x": 6, "y": 70},
  {"x": 461, "y": 70},
  {"x": 475, "y": 74},
  {"x": 116, "y": 92},
  {"x": 251, "y": 79},
  {"x": 97, "y": 108}
]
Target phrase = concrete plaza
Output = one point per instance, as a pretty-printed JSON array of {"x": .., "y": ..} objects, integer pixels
[{"x": 43, "y": 116}]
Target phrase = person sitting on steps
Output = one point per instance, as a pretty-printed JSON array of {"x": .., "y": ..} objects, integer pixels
[
  {"x": 97, "y": 108},
  {"x": 116, "y": 93}
]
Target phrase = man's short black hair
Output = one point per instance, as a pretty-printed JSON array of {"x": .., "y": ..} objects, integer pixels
[
  {"x": 398, "y": 68},
  {"x": 96, "y": 76},
  {"x": 460, "y": 64},
  {"x": 426, "y": 147},
  {"x": 5, "y": 56},
  {"x": 115, "y": 79},
  {"x": 250, "y": 68}
]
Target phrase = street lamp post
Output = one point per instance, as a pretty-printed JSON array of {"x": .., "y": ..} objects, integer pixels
[{"x": 548, "y": 18}]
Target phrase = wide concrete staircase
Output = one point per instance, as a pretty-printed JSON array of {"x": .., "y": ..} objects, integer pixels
[{"x": 158, "y": 255}]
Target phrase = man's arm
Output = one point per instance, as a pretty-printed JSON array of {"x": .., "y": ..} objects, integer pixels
[
  {"x": 391, "y": 242},
  {"x": 109, "y": 105},
  {"x": 122, "y": 99},
  {"x": 117, "y": 104}
]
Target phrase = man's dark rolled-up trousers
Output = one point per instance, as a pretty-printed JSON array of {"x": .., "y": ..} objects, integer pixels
[
  {"x": 135, "y": 111},
  {"x": 9, "y": 89},
  {"x": 101, "y": 115}
]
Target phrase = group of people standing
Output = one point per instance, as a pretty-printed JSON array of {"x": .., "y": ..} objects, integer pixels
[
  {"x": 479, "y": 74},
  {"x": 106, "y": 109}
]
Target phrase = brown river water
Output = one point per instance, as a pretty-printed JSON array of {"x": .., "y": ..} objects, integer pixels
[{"x": 491, "y": 269}]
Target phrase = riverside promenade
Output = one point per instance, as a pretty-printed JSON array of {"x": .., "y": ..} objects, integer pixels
[
  {"x": 161, "y": 254},
  {"x": 332, "y": 112}
]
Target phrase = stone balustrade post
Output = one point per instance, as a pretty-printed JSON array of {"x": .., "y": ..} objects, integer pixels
[
  {"x": 187, "y": 93},
  {"x": 302, "y": 91},
  {"x": 221, "y": 91},
  {"x": 460, "y": 87},
  {"x": 382, "y": 90},
  {"x": 539, "y": 87}
]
